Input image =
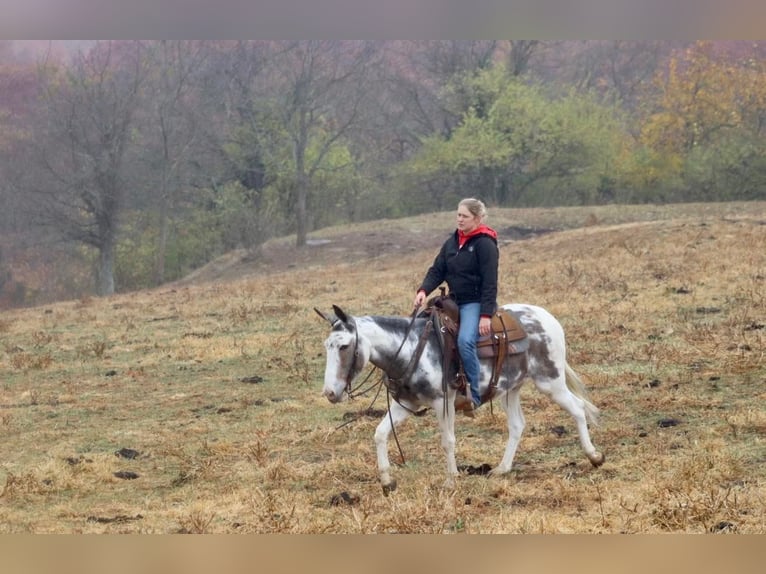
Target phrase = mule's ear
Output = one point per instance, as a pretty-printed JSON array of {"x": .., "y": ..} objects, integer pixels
[
  {"x": 325, "y": 317},
  {"x": 340, "y": 314}
]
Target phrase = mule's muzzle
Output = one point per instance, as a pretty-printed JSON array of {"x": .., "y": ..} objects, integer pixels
[{"x": 333, "y": 396}]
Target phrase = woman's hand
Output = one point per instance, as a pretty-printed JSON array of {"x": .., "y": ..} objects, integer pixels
[
  {"x": 485, "y": 326},
  {"x": 419, "y": 300}
]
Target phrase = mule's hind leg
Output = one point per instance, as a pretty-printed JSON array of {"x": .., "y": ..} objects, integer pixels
[
  {"x": 511, "y": 403},
  {"x": 394, "y": 417},
  {"x": 558, "y": 390}
]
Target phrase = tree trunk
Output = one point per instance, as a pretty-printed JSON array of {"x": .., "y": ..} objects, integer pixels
[
  {"x": 106, "y": 269},
  {"x": 302, "y": 185},
  {"x": 162, "y": 244},
  {"x": 301, "y": 216}
]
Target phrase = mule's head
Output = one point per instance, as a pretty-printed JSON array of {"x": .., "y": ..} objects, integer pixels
[{"x": 347, "y": 355}]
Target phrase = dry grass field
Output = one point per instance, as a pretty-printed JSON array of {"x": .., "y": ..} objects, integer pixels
[{"x": 196, "y": 407}]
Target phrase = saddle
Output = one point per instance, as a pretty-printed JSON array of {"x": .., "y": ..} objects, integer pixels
[{"x": 507, "y": 337}]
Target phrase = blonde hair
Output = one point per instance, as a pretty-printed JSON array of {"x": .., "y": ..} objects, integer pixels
[{"x": 475, "y": 206}]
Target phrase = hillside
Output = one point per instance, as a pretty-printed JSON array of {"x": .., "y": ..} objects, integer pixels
[
  {"x": 425, "y": 233},
  {"x": 197, "y": 407}
]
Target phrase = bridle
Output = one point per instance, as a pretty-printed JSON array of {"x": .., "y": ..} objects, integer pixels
[
  {"x": 350, "y": 373},
  {"x": 353, "y": 392},
  {"x": 386, "y": 380}
]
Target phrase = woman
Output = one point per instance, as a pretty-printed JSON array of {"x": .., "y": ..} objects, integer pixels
[{"x": 468, "y": 263}]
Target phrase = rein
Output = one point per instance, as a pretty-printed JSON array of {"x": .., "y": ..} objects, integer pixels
[
  {"x": 415, "y": 359},
  {"x": 407, "y": 373}
]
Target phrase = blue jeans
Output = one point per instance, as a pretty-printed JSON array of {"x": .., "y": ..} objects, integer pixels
[{"x": 470, "y": 313}]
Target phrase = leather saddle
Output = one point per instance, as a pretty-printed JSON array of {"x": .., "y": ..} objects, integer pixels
[
  {"x": 508, "y": 337},
  {"x": 507, "y": 333}
]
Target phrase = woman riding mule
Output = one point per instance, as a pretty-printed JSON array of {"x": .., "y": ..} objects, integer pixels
[
  {"x": 407, "y": 351},
  {"x": 468, "y": 262}
]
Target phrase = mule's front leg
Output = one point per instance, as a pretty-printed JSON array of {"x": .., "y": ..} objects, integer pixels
[
  {"x": 511, "y": 403},
  {"x": 446, "y": 417},
  {"x": 395, "y": 416}
]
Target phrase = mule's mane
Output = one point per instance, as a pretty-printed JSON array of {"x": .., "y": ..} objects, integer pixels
[
  {"x": 393, "y": 322},
  {"x": 395, "y": 326}
]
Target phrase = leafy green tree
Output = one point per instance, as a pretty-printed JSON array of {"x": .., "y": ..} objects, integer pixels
[{"x": 516, "y": 145}]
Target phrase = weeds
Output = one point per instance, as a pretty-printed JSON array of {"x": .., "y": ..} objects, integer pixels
[
  {"x": 197, "y": 522},
  {"x": 30, "y": 361},
  {"x": 258, "y": 452},
  {"x": 93, "y": 349},
  {"x": 41, "y": 338},
  {"x": 292, "y": 358},
  {"x": 697, "y": 493},
  {"x": 23, "y": 485}
]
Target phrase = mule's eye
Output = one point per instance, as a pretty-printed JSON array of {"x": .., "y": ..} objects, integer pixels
[{"x": 343, "y": 347}]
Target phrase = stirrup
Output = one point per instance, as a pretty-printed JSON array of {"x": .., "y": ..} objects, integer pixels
[{"x": 465, "y": 404}]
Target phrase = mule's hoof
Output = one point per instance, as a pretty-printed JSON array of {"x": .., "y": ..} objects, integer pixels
[
  {"x": 498, "y": 471},
  {"x": 388, "y": 488},
  {"x": 597, "y": 460}
]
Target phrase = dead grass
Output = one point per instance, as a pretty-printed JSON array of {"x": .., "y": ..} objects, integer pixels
[{"x": 215, "y": 384}]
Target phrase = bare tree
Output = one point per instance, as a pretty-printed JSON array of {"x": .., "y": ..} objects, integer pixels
[
  {"x": 79, "y": 148},
  {"x": 430, "y": 66},
  {"x": 620, "y": 70},
  {"x": 240, "y": 143},
  {"x": 18, "y": 92},
  {"x": 172, "y": 129},
  {"x": 239, "y": 93},
  {"x": 445, "y": 58},
  {"x": 519, "y": 55},
  {"x": 321, "y": 86}
]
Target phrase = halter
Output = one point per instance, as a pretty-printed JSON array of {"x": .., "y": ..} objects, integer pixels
[
  {"x": 408, "y": 370},
  {"x": 349, "y": 374}
]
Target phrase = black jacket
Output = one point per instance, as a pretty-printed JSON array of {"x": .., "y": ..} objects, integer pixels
[{"x": 470, "y": 272}]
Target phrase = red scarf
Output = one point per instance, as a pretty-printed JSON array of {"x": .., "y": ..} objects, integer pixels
[{"x": 463, "y": 237}]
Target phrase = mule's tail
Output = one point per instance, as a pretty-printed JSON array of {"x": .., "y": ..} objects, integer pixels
[{"x": 577, "y": 387}]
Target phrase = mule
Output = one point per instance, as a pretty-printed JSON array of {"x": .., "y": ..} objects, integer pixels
[{"x": 390, "y": 342}]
